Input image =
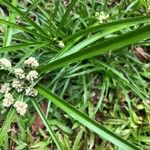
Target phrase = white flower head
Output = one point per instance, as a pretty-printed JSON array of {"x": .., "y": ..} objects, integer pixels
[
  {"x": 32, "y": 75},
  {"x": 61, "y": 44},
  {"x": 19, "y": 73},
  {"x": 31, "y": 92},
  {"x": 148, "y": 9},
  {"x": 31, "y": 62},
  {"x": 18, "y": 85},
  {"x": 8, "y": 100},
  {"x": 101, "y": 16},
  {"x": 21, "y": 107},
  {"x": 5, "y": 88},
  {"x": 5, "y": 64},
  {"x": 97, "y": 14}
]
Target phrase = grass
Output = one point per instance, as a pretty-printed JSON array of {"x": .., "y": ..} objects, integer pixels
[{"x": 93, "y": 91}]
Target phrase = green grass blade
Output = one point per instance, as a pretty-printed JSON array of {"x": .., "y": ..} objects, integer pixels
[
  {"x": 86, "y": 121},
  {"x": 124, "y": 80},
  {"x": 106, "y": 30},
  {"x": 67, "y": 48},
  {"x": 44, "y": 12},
  {"x": 30, "y": 8},
  {"x": 101, "y": 27},
  {"x": 70, "y": 6},
  {"x": 19, "y": 46},
  {"x": 99, "y": 49},
  {"x": 51, "y": 132},
  {"x": 78, "y": 140},
  {"x": 6, "y": 124},
  {"x": 22, "y": 28},
  {"x": 15, "y": 9},
  {"x": 92, "y": 39},
  {"x": 8, "y": 33}
]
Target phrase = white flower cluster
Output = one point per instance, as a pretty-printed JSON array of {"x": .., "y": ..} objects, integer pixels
[
  {"x": 61, "y": 44},
  {"x": 31, "y": 62},
  {"x": 5, "y": 64},
  {"x": 19, "y": 82},
  {"x": 5, "y": 88},
  {"x": 148, "y": 9},
  {"x": 23, "y": 82},
  {"x": 19, "y": 73},
  {"x": 31, "y": 92},
  {"x": 21, "y": 107},
  {"x": 8, "y": 100},
  {"x": 18, "y": 85},
  {"x": 101, "y": 16},
  {"x": 32, "y": 75}
]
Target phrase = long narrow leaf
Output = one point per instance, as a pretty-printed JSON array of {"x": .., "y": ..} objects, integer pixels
[
  {"x": 104, "y": 30},
  {"x": 99, "y": 49},
  {"x": 101, "y": 27},
  {"x": 70, "y": 6},
  {"x": 15, "y": 9},
  {"x": 19, "y": 46},
  {"x": 31, "y": 7},
  {"x": 22, "y": 28},
  {"x": 35, "y": 104},
  {"x": 86, "y": 121},
  {"x": 6, "y": 124},
  {"x": 9, "y": 31},
  {"x": 125, "y": 80},
  {"x": 95, "y": 37}
]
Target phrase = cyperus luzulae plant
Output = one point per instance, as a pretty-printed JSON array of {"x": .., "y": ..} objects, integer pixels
[{"x": 66, "y": 44}]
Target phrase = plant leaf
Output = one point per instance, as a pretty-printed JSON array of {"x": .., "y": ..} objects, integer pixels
[
  {"x": 45, "y": 121},
  {"x": 99, "y": 49},
  {"x": 72, "y": 3},
  {"x": 134, "y": 20},
  {"x": 15, "y": 9},
  {"x": 86, "y": 121},
  {"x": 22, "y": 28},
  {"x": 19, "y": 46}
]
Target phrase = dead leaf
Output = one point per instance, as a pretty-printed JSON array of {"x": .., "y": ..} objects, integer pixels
[
  {"x": 141, "y": 54},
  {"x": 38, "y": 121}
]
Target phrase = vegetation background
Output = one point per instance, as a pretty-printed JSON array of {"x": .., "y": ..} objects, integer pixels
[{"x": 94, "y": 55}]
